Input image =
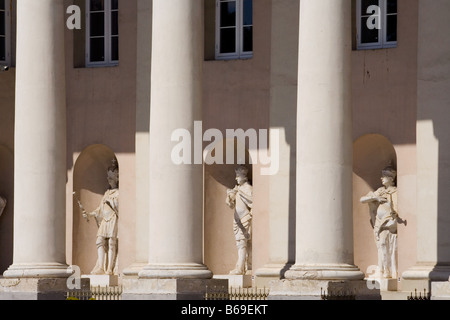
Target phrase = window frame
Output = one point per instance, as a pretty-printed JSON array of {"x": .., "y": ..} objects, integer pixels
[
  {"x": 382, "y": 32},
  {"x": 108, "y": 62},
  {"x": 239, "y": 53},
  {"x": 7, "y": 61}
]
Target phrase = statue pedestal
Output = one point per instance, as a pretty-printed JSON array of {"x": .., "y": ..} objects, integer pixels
[
  {"x": 382, "y": 284},
  {"x": 236, "y": 281},
  {"x": 102, "y": 280}
]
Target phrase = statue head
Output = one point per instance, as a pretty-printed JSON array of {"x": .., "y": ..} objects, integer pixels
[
  {"x": 388, "y": 175},
  {"x": 241, "y": 174},
  {"x": 113, "y": 174}
]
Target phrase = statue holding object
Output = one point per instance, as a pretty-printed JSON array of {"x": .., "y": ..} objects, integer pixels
[{"x": 106, "y": 215}]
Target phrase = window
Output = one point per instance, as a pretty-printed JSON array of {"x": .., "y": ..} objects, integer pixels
[
  {"x": 234, "y": 29},
  {"x": 4, "y": 32},
  {"x": 102, "y": 40},
  {"x": 377, "y": 24}
]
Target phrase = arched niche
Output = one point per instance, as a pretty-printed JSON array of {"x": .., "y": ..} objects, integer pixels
[
  {"x": 89, "y": 186},
  {"x": 7, "y": 218},
  {"x": 371, "y": 154},
  {"x": 219, "y": 242}
]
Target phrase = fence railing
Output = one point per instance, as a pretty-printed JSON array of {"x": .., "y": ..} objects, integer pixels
[
  {"x": 337, "y": 295},
  {"x": 96, "y": 293},
  {"x": 415, "y": 296},
  {"x": 236, "y": 293}
]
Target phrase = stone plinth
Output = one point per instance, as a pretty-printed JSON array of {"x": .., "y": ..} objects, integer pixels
[
  {"x": 382, "y": 284},
  {"x": 315, "y": 289},
  {"x": 440, "y": 290},
  {"x": 36, "y": 289},
  {"x": 102, "y": 280},
  {"x": 236, "y": 281},
  {"x": 168, "y": 289}
]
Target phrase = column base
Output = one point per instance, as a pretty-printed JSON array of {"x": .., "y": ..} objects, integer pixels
[
  {"x": 42, "y": 270},
  {"x": 169, "y": 289},
  {"x": 324, "y": 272},
  {"x": 175, "y": 271},
  {"x": 270, "y": 272},
  {"x": 134, "y": 269},
  {"x": 420, "y": 277},
  {"x": 322, "y": 290},
  {"x": 36, "y": 288}
]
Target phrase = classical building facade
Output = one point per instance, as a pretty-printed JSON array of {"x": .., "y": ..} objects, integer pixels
[{"x": 320, "y": 96}]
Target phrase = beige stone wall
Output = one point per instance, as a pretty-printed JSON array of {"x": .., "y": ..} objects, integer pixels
[
  {"x": 7, "y": 100},
  {"x": 236, "y": 95},
  {"x": 384, "y": 103},
  {"x": 101, "y": 109}
]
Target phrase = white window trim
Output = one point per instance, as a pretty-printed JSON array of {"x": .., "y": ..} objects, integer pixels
[
  {"x": 108, "y": 61},
  {"x": 239, "y": 54},
  {"x": 382, "y": 42},
  {"x": 7, "y": 61}
]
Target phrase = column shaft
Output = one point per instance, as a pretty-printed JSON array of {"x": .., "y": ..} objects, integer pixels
[
  {"x": 40, "y": 142},
  {"x": 176, "y": 191},
  {"x": 324, "y": 243}
]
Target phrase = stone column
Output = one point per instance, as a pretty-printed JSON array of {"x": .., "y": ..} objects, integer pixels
[
  {"x": 324, "y": 227},
  {"x": 40, "y": 142},
  {"x": 176, "y": 191}
]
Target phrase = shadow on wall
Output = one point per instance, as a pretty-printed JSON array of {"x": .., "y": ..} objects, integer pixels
[
  {"x": 7, "y": 218},
  {"x": 89, "y": 184},
  {"x": 372, "y": 153}
]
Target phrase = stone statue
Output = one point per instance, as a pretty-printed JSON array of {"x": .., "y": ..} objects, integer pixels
[
  {"x": 384, "y": 220},
  {"x": 241, "y": 200},
  {"x": 2, "y": 205},
  {"x": 107, "y": 215}
]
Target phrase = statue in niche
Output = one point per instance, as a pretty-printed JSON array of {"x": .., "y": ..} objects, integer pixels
[
  {"x": 106, "y": 215},
  {"x": 240, "y": 198},
  {"x": 384, "y": 220},
  {"x": 2, "y": 205}
]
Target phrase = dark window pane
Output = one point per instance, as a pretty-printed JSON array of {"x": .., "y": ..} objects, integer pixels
[
  {"x": 248, "y": 12},
  {"x": 228, "y": 14},
  {"x": 367, "y": 35},
  {"x": 391, "y": 6},
  {"x": 115, "y": 48},
  {"x": 114, "y": 4},
  {"x": 391, "y": 32},
  {"x": 2, "y": 4},
  {"x": 97, "y": 24},
  {"x": 97, "y": 50},
  {"x": 228, "y": 40},
  {"x": 97, "y": 5},
  {"x": 366, "y": 4},
  {"x": 2, "y": 23},
  {"x": 2, "y": 49},
  {"x": 248, "y": 39},
  {"x": 115, "y": 23}
]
